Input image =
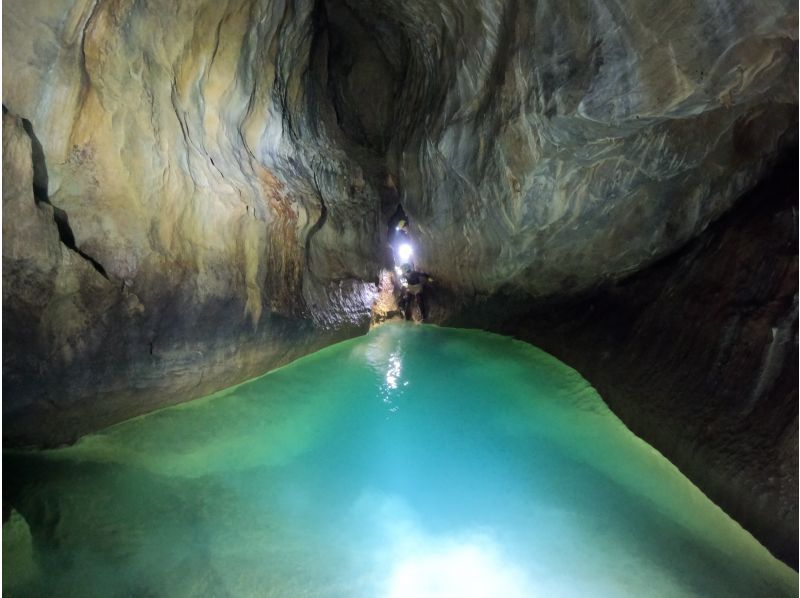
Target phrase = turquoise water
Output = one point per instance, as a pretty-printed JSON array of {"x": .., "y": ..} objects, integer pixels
[{"x": 413, "y": 462}]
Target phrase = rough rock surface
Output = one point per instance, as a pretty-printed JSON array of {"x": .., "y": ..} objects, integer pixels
[
  {"x": 197, "y": 190},
  {"x": 206, "y": 229},
  {"x": 698, "y": 354},
  {"x": 552, "y": 145},
  {"x": 83, "y": 350}
]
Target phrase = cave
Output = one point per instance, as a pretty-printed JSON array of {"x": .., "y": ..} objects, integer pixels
[{"x": 200, "y": 209}]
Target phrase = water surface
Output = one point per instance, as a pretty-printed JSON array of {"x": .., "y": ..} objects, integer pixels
[{"x": 413, "y": 462}]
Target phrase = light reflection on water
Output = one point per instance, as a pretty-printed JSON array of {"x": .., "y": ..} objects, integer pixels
[
  {"x": 414, "y": 462},
  {"x": 389, "y": 391},
  {"x": 390, "y": 366}
]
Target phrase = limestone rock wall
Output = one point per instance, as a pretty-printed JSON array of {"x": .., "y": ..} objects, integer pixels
[
  {"x": 209, "y": 212},
  {"x": 548, "y": 146}
]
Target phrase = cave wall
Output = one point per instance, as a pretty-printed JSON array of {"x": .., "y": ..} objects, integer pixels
[
  {"x": 547, "y": 146},
  {"x": 178, "y": 216},
  {"x": 697, "y": 354}
]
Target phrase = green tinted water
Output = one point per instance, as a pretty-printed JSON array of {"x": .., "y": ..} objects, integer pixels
[{"x": 413, "y": 462}]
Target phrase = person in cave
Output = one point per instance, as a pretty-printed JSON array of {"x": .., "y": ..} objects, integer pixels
[
  {"x": 398, "y": 228},
  {"x": 412, "y": 302},
  {"x": 401, "y": 229},
  {"x": 410, "y": 282}
]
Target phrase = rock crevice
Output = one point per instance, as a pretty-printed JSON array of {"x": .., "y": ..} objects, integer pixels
[{"x": 60, "y": 217}]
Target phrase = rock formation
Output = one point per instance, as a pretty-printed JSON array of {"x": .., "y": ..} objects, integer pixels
[
  {"x": 196, "y": 191},
  {"x": 205, "y": 209}
]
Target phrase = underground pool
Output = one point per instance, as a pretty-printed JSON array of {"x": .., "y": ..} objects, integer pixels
[{"x": 415, "y": 461}]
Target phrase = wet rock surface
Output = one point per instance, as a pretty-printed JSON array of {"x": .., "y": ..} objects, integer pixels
[{"x": 197, "y": 191}]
